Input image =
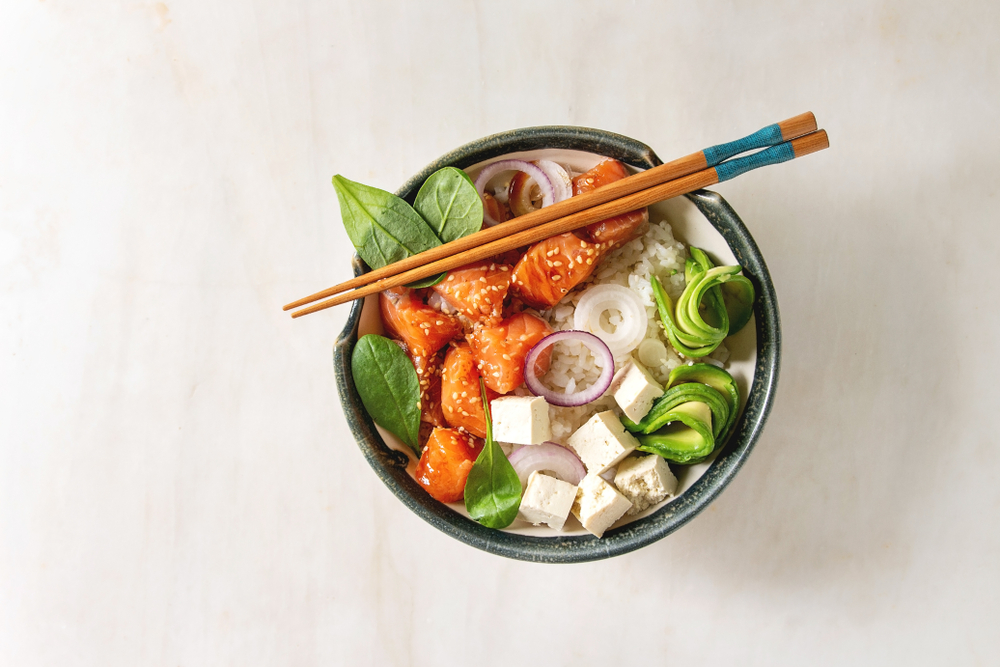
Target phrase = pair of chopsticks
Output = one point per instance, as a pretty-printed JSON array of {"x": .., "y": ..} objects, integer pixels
[{"x": 779, "y": 142}]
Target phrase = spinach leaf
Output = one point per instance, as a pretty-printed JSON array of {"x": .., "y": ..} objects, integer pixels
[
  {"x": 388, "y": 386},
  {"x": 448, "y": 201},
  {"x": 492, "y": 490},
  {"x": 383, "y": 228},
  {"x": 428, "y": 282}
]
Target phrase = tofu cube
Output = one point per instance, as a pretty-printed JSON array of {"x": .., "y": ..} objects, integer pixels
[
  {"x": 547, "y": 500},
  {"x": 602, "y": 442},
  {"x": 598, "y": 504},
  {"x": 635, "y": 390},
  {"x": 645, "y": 480},
  {"x": 522, "y": 420}
]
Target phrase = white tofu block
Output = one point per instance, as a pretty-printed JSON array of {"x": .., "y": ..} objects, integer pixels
[
  {"x": 645, "y": 480},
  {"x": 547, "y": 500},
  {"x": 635, "y": 390},
  {"x": 522, "y": 420},
  {"x": 602, "y": 442},
  {"x": 598, "y": 504}
]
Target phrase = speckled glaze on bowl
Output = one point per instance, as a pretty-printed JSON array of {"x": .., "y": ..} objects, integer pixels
[{"x": 390, "y": 465}]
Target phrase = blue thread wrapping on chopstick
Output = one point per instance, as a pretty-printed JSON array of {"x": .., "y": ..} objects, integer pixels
[
  {"x": 769, "y": 136},
  {"x": 741, "y": 165}
]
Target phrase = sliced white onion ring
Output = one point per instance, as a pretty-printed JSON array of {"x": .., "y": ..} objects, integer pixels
[
  {"x": 547, "y": 457},
  {"x": 584, "y": 396},
  {"x": 601, "y": 298},
  {"x": 539, "y": 176},
  {"x": 562, "y": 184}
]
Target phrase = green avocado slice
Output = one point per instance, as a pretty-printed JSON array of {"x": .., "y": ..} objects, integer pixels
[
  {"x": 738, "y": 296},
  {"x": 715, "y": 303},
  {"x": 702, "y": 291},
  {"x": 662, "y": 411},
  {"x": 716, "y": 378},
  {"x": 690, "y": 346},
  {"x": 688, "y": 440},
  {"x": 699, "y": 263}
]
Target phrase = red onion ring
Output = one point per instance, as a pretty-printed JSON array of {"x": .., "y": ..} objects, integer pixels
[
  {"x": 562, "y": 184},
  {"x": 588, "y": 395},
  {"x": 548, "y": 457},
  {"x": 539, "y": 176}
]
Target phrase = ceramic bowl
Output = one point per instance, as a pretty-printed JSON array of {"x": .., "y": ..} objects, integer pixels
[{"x": 702, "y": 219}]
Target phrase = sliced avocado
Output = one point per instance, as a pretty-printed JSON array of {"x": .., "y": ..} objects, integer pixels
[
  {"x": 700, "y": 258},
  {"x": 713, "y": 303},
  {"x": 691, "y": 270},
  {"x": 716, "y": 378},
  {"x": 716, "y": 302},
  {"x": 688, "y": 439},
  {"x": 738, "y": 296},
  {"x": 696, "y": 294},
  {"x": 662, "y": 410},
  {"x": 689, "y": 346}
]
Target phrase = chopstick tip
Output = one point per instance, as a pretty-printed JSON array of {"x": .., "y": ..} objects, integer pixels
[{"x": 811, "y": 143}]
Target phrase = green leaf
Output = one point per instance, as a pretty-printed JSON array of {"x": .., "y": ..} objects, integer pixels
[
  {"x": 387, "y": 383},
  {"x": 427, "y": 282},
  {"x": 492, "y": 490},
  {"x": 448, "y": 201},
  {"x": 383, "y": 228}
]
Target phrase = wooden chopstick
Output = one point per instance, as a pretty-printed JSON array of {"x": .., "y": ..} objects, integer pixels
[
  {"x": 689, "y": 164},
  {"x": 799, "y": 147}
]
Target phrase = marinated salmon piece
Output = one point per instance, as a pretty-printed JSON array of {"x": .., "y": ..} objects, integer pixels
[
  {"x": 621, "y": 228},
  {"x": 423, "y": 329},
  {"x": 500, "y": 351},
  {"x": 461, "y": 400},
  {"x": 429, "y": 377},
  {"x": 445, "y": 463},
  {"x": 551, "y": 268},
  {"x": 477, "y": 290}
]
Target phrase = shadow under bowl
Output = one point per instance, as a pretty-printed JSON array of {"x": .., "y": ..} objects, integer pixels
[{"x": 762, "y": 355}]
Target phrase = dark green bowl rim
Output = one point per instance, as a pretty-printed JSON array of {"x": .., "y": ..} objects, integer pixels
[{"x": 390, "y": 465}]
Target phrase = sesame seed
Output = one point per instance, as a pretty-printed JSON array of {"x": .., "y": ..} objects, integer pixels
[
  {"x": 493, "y": 267},
  {"x": 507, "y": 357},
  {"x": 590, "y": 260},
  {"x": 505, "y": 269},
  {"x": 454, "y": 394},
  {"x": 556, "y": 278}
]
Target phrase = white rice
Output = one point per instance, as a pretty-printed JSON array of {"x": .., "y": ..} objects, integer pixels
[{"x": 573, "y": 366}]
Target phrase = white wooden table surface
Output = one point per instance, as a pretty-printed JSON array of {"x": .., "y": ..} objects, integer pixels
[{"x": 177, "y": 483}]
